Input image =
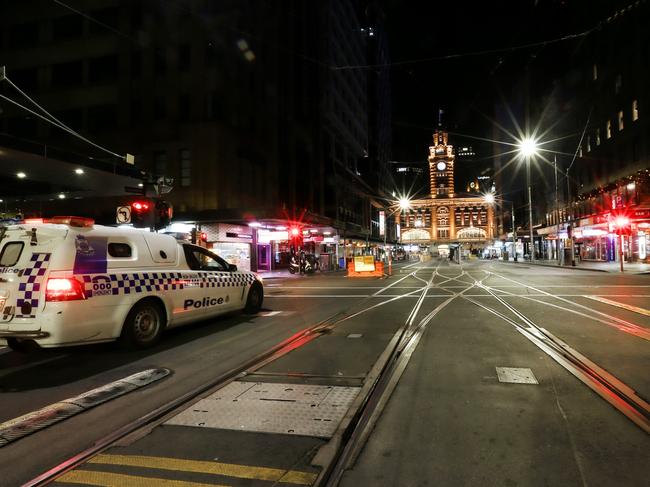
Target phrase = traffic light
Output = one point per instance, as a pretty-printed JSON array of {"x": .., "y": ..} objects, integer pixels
[
  {"x": 620, "y": 224},
  {"x": 142, "y": 214},
  {"x": 151, "y": 214},
  {"x": 163, "y": 214}
]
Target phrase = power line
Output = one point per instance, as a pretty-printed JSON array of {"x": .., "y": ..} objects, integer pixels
[
  {"x": 48, "y": 117},
  {"x": 468, "y": 54}
]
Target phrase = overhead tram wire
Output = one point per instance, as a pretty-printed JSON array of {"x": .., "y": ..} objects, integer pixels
[
  {"x": 48, "y": 117},
  {"x": 483, "y": 52}
]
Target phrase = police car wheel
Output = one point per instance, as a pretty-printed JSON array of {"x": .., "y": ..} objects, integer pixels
[
  {"x": 21, "y": 346},
  {"x": 254, "y": 299},
  {"x": 143, "y": 325}
]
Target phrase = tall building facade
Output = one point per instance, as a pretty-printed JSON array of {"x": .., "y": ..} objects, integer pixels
[
  {"x": 240, "y": 102},
  {"x": 610, "y": 176}
]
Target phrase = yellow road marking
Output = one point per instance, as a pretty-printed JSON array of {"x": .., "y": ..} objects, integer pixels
[
  {"x": 106, "y": 479},
  {"x": 214, "y": 468},
  {"x": 618, "y": 304}
]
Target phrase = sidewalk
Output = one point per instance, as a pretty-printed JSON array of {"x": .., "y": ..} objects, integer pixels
[{"x": 631, "y": 267}]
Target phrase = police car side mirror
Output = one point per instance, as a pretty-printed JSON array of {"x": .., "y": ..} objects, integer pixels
[{"x": 232, "y": 267}]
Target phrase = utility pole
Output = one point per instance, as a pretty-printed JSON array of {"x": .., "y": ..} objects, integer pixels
[
  {"x": 530, "y": 212},
  {"x": 557, "y": 216},
  {"x": 514, "y": 231},
  {"x": 570, "y": 217}
]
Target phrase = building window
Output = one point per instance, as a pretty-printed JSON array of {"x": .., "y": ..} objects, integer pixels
[
  {"x": 443, "y": 233},
  {"x": 160, "y": 61},
  {"x": 159, "y": 108},
  {"x": 160, "y": 163},
  {"x": 184, "y": 108},
  {"x": 594, "y": 72},
  {"x": 67, "y": 28},
  {"x": 102, "y": 69},
  {"x": 621, "y": 124},
  {"x": 184, "y": 57},
  {"x": 597, "y": 136},
  {"x": 635, "y": 110},
  {"x": 186, "y": 167},
  {"x": 608, "y": 129},
  {"x": 618, "y": 83},
  {"x": 67, "y": 74}
]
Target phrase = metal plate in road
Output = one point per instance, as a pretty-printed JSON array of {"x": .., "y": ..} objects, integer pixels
[
  {"x": 516, "y": 375},
  {"x": 295, "y": 409}
]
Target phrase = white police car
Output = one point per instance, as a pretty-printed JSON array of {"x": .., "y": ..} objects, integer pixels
[{"x": 68, "y": 281}]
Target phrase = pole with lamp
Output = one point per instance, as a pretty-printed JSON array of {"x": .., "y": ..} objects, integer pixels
[
  {"x": 490, "y": 199},
  {"x": 528, "y": 149},
  {"x": 404, "y": 204}
]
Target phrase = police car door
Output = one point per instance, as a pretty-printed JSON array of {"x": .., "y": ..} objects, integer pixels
[{"x": 214, "y": 281}]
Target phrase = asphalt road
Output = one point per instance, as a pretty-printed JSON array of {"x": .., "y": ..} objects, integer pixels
[{"x": 449, "y": 420}]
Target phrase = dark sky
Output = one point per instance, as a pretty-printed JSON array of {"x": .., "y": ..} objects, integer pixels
[{"x": 467, "y": 87}]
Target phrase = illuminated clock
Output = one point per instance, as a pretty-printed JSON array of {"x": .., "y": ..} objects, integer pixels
[{"x": 441, "y": 166}]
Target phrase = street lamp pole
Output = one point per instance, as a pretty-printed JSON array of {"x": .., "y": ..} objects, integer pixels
[
  {"x": 530, "y": 211},
  {"x": 514, "y": 231},
  {"x": 557, "y": 217}
]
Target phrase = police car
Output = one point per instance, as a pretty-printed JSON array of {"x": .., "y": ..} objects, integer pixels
[{"x": 67, "y": 281}]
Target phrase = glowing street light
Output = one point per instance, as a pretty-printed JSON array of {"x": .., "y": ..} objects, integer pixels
[
  {"x": 404, "y": 203},
  {"x": 488, "y": 198},
  {"x": 527, "y": 147}
]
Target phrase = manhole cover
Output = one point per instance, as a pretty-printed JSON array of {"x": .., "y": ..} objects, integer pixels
[{"x": 516, "y": 375}]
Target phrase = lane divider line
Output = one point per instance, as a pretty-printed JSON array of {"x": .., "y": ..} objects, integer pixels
[
  {"x": 29, "y": 423},
  {"x": 618, "y": 304},
  {"x": 206, "y": 467},
  {"x": 106, "y": 479}
]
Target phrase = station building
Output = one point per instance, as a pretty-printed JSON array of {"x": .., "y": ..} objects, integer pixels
[{"x": 446, "y": 217}]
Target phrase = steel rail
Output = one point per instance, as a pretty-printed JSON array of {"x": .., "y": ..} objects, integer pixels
[
  {"x": 162, "y": 413},
  {"x": 605, "y": 384},
  {"x": 377, "y": 396}
]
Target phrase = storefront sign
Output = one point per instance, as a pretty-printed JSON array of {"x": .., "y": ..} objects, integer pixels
[
  {"x": 364, "y": 263},
  {"x": 265, "y": 236},
  {"x": 382, "y": 223}
]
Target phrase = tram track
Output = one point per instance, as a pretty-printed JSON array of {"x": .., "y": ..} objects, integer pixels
[
  {"x": 606, "y": 385},
  {"x": 149, "y": 421}
]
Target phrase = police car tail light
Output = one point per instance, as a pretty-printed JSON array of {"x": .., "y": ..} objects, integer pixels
[{"x": 64, "y": 289}]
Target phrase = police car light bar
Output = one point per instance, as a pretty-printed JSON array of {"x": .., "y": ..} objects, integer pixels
[{"x": 73, "y": 221}]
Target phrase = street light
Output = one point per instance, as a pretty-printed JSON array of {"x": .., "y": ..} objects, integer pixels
[
  {"x": 404, "y": 203},
  {"x": 490, "y": 199},
  {"x": 527, "y": 149}
]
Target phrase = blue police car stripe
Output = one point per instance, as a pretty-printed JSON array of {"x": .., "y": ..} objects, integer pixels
[
  {"x": 140, "y": 282},
  {"x": 29, "y": 287}
]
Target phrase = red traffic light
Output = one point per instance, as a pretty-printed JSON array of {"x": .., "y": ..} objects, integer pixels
[
  {"x": 204, "y": 236},
  {"x": 295, "y": 231},
  {"x": 140, "y": 205}
]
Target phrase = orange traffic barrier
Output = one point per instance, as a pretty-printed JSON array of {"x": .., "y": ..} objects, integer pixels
[{"x": 378, "y": 272}]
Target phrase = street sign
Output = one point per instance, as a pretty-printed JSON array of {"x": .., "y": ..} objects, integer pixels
[{"x": 123, "y": 215}]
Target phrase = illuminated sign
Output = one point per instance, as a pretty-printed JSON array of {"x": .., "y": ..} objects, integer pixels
[
  {"x": 265, "y": 236},
  {"x": 382, "y": 222},
  {"x": 364, "y": 263}
]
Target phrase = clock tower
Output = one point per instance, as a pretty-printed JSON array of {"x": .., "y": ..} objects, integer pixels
[{"x": 441, "y": 166}]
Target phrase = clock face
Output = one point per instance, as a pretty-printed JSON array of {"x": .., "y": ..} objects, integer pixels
[{"x": 441, "y": 166}]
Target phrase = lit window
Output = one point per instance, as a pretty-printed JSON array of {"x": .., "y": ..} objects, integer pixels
[
  {"x": 597, "y": 136},
  {"x": 635, "y": 110},
  {"x": 608, "y": 129},
  {"x": 621, "y": 125},
  {"x": 594, "y": 72},
  {"x": 588, "y": 143}
]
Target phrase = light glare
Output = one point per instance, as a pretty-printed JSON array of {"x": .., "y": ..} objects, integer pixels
[{"x": 528, "y": 147}]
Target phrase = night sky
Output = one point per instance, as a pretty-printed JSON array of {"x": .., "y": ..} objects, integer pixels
[{"x": 467, "y": 87}]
